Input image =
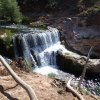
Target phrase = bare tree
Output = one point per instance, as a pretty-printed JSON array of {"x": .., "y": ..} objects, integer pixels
[{"x": 85, "y": 67}]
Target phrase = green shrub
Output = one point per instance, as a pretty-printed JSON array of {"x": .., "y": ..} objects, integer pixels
[
  {"x": 52, "y": 4},
  {"x": 9, "y": 11},
  {"x": 7, "y": 39},
  {"x": 6, "y": 42},
  {"x": 51, "y": 75},
  {"x": 28, "y": 66},
  {"x": 88, "y": 7},
  {"x": 84, "y": 91},
  {"x": 25, "y": 20},
  {"x": 89, "y": 2},
  {"x": 38, "y": 24},
  {"x": 90, "y": 11}
]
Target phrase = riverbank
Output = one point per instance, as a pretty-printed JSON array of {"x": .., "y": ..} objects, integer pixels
[{"x": 46, "y": 88}]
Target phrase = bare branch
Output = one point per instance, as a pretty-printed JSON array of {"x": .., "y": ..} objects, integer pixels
[
  {"x": 85, "y": 67},
  {"x": 79, "y": 96},
  {"x": 28, "y": 89}
]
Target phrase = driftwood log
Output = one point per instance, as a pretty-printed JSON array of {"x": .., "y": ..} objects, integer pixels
[
  {"x": 70, "y": 61},
  {"x": 73, "y": 91},
  {"x": 28, "y": 89}
]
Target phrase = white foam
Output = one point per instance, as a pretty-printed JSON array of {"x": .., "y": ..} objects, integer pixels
[
  {"x": 46, "y": 70},
  {"x": 54, "y": 48}
]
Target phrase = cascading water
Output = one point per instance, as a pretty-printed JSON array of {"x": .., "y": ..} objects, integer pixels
[{"x": 39, "y": 48}]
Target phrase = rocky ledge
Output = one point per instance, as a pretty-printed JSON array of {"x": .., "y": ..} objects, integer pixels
[
  {"x": 82, "y": 47},
  {"x": 69, "y": 61}
]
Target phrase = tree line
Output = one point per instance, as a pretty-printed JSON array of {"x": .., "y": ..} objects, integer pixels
[{"x": 10, "y": 11}]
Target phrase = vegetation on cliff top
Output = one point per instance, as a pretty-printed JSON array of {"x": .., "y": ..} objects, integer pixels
[
  {"x": 88, "y": 7},
  {"x": 9, "y": 11}
]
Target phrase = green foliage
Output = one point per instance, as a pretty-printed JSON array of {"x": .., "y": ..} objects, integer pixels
[
  {"x": 98, "y": 90},
  {"x": 51, "y": 75},
  {"x": 46, "y": 4},
  {"x": 9, "y": 10},
  {"x": 52, "y": 4},
  {"x": 7, "y": 39},
  {"x": 25, "y": 20},
  {"x": 84, "y": 91},
  {"x": 28, "y": 65},
  {"x": 90, "y": 11},
  {"x": 6, "y": 42},
  {"x": 38, "y": 24},
  {"x": 88, "y": 7},
  {"x": 61, "y": 4},
  {"x": 89, "y": 2}
]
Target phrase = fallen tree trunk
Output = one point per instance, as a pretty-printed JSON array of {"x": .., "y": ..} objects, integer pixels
[
  {"x": 28, "y": 89},
  {"x": 73, "y": 91},
  {"x": 69, "y": 61}
]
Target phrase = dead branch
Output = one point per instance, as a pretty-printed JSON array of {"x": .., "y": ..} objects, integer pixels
[
  {"x": 85, "y": 67},
  {"x": 79, "y": 96},
  {"x": 94, "y": 96},
  {"x": 28, "y": 89}
]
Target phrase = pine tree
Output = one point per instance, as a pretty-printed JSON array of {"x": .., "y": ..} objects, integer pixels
[{"x": 9, "y": 10}]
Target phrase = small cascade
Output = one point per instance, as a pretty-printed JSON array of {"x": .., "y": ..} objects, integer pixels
[{"x": 38, "y": 47}]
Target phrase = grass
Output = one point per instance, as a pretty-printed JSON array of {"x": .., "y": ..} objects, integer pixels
[
  {"x": 84, "y": 91},
  {"x": 38, "y": 24},
  {"x": 51, "y": 75},
  {"x": 28, "y": 65}
]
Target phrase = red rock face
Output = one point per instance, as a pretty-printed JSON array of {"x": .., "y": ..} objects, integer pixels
[
  {"x": 84, "y": 45},
  {"x": 85, "y": 37},
  {"x": 94, "y": 19}
]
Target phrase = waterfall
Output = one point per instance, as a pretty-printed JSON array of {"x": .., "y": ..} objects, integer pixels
[{"x": 38, "y": 47}]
